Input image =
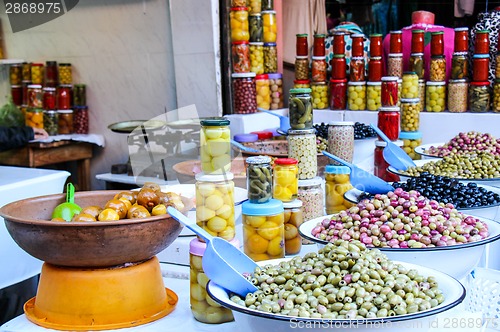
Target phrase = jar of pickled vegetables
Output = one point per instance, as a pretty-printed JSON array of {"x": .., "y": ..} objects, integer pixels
[
  {"x": 263, "y": 230},
  {"x": 356, "y": 96},
  {"x": 479, "y": 97},
  {"x": 435, "y": 97},
  {"x": 388, "y": 119},
  {"x": 396, "y": 42},
  {"x": 302, "y": 84},
  {"x": 302, "y": 147},
  {"x": 215, "y": 204},
  {"x": 257, "y": 58},
  {"x": 459, "y": 65},
  {"x": 480, "y": 67},
  {"x": 80, "y": 95},
  {"x": 255, "y": 28},
  {"x": 300, "y": 109},
  {"x": 238, "y": 17},
  {"x": 357, "y": 45},
  {"x": 15, "y": 74},
  {"x": 497, "y": 66},
  {"x": 64, "y": 96},
  {"x": 375, "y": 69},
  {"x": 65, "y": 73},
  {"x": 410, "y": 85},
  {"x": 410, "y": 114},
  {"x": 338, "y": 94},
  {"x": 35, "y": 96},
  {"x": 51, "y": 74},
  {"x": 285, "y": 179},
  {"x": 495, "y": 107},
  {"x": 240, "y": 55},
  {"x": 312, "y": 196},
  {"x": 461, "y": 41},
  {"x": 437, "y": 71},
  {"x": 341, "y": 140},
  {"x": 410, "y": 141},
  {"x": 339, "y": 67},
  {"x": 389, "y": 91},
  {"x": 49, "y": 98},
  {"x": 51, "y": 122},
  {"x": 203, "y": 308},
  {"x": 395, "y": 64},
  {"x": 16, "y": 92},
  {"x": 379, "y": 163},
  {"x": 482, "y": 42},
  {"x": 244, "y": 93},
  {"x": 65, "y": 122},
  {"x": 373, "y": 95},
  {"x": 319, "y": 95},
  {"x": 417, "y": 64},
  {"x": 337, "y": 183},
  {"x": 339, "y": 43},
  {"x": 301, "y": 68},
  {"x": 437, "y": 43},
  {"x": 37, "y": 73},
  {"x": 81, "y": 120},
  {"x": 270, "y": 58},
  {"x": 301, "y": 46},
  {"x": 417, "y": 41},
  {"x": 34, "y": 117},
  {"x": 26, "y": 71},
  {"x": 319, "y": 49},
  {"x": 293, "y": 218},
  {"x": 263, "y": 91},
  {"x": 318, "y": 69},
  {"x": 276, "y": 86},
  {"x": 270, "y": 27},
  {"x": 457, "y": 95},
  {"x": 215, "y": 146},
  {"x": 259, "y": 179},
  {"x": 357, "y": 69}
]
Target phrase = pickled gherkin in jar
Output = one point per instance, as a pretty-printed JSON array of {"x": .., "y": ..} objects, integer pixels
[
  {"x": 255, "y": 27},
  {"x": 459, "y": 66},
  {"x": 479, "y": 97},
  {"x": 417, "y": 64},
  {"x": 300, "y": 109},
  {"x": 259, "y": 179}
]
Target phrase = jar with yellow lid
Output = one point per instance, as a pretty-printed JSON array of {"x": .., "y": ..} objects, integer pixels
[
  {"x": 356, "y": 96},
  {"x": 293, "y": 219},
  {"x": 435, "y": 96},
  {"x": 319, "y": 95},
  {"x": 285, "y": 179},
  {"x": 34, "y": 117},
  {"x": 215, "y": 146},
  {"x": 411, "y": 139},
  {"x": 263, "y": 91},
  {"x": 373, "y": 95},
  {"x": 337, "y": 183}
]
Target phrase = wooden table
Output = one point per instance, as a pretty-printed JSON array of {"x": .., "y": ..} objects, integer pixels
[{"x": 37, "y": 154}]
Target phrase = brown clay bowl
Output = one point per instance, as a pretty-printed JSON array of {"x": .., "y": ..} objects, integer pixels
[{"x": 87, "y": 244}]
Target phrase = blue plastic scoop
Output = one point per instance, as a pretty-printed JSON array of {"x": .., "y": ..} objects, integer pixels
[
  {"x": 222, "y": 262},
  {"x": 362, "y": 179},
  {"x": 284, "y": 120},
  {"x": 393, "y": 154},
  {"x": 242, "y": 147}
]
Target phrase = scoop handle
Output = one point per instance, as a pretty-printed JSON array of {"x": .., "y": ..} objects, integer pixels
[
  {"x": 380, "y": 133},
  {"x": 242, "y": 147},
  {"x": 70, "y": 193},
  {"x": 177, "y": 215},
  {"x": 272, "y": 113},
  {"x": 337, "y": 159}
]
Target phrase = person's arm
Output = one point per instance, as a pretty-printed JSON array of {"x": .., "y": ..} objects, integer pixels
[{"x": 14, "y": 137}]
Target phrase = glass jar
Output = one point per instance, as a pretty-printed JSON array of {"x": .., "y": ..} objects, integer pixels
[
  {"x": 417, "y": 41},
  {"x": 244, "y": 93},
  {"x": 339, "y": 67},
  {"x": 65, "y": 122},
  {"x": 457, "y": 95},
  {"x": 312, "y": 196},
  {"x": 302, "y": 84},
  {"x": 337, "y": 183},
  {"x": 301, "y": 46},
  {"x": 65, "y": 73},
  {"x": 79, "y": 95},
  {"x": 410, "y": 141},
  {"x": 203, "y": 308},
  {"x": 238, "y": 17},
  {"x": 300, "y": 109},
  {"x": 495, "y": 107},
  {"x": 24, "y": 88},
  {"x": 437, "y": 43},
  {"x": 240, "y": 54},
  {"x": 410, "y": 85},
  {"x": 263, "y": 91},
  {"x": 497, "y": 66},
  {"x": 437, "y": 71},
  {"x": 269, "y": 24},
  {"x": 318, "y": 69},
  {"x": 285, "y": 179},
  {"x": 257, "y": 58},
  {"x": 34, "y": 117},
  {"x": 263, "y": 230},
  {"x": 51, "y": 74},
  {"x": 35, "y": 96},
  {"x": 293, "y": 219},
  {"x": 302, "y": 147},
  {"x": 389, "y": 91},
  {"x": 400, "y": 90},
  {"x": 373, "y": 95},
  {"x": 26, "y": 71},
  {"x": 460, "y": 66},
  {"x": 417, "y": 64},
  {"x": 319, "y": 49},
  {"x": 376, "y": 45},
  {"x": 81, "y": 120},
  {"x": 270, "y": 58},
  {"x": 49, "y": 98},
  {"x": 410, "y": 114},
  {"x": 37, "y": 73},
  {"x": 341, "y": 140},
  {"x": 259, "y": 179},
  {"x": 482, "y": 42},
  {"x": 276, "y": 86},
  {"x": 375, "y": 69},
  {"x": 16, "y": 92},
  {"x": 338, "y": 94},
  {"x": 302, "y": 68},
  {"x": 396, "y": 43},
  {"x": 395, "y": 65},
  {"x": 319, "y": 95},
  {"x": 421, "y": 94},
  {"x": 357, "y": 45},
  {"x": 435, "y": 97},
  {"x": 480, "y": 67},
  {"x": 15, "y": 74},
  {"x": 479, "y": 97},
  {"x": 215, "y": 146},
  {"x": 380, "y": 165},
  {"x": 339, "y": 43},
  {"x": 388, "y": 120},
  {"x": 215, "y": 204},
  {"x": 267, "y": 4},
  {"x": 255, "y": 28},
  {"x": 356, "y": 96},
  {"x": 63, "y": 96},
  {"x": 461, "y": 41},
  {"x": 357, "y": 69},
  {"x": 51, "y": 122}
]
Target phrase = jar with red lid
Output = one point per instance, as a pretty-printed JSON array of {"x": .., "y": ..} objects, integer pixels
[
  {"x": 17, "y": 94},
  {"x": 301, "y": 67},
  {"x": 339, "y": 66},
  {"x": 479, "y": 97},
  {"x": 417, "y": 64},
  {"x": 460, "y": 65},
  {"x": 244, "y": 93},
  {"x": 64, "y": 96},
  {"x": 263, "y": 91},
  {"x": 375, "y": 69},
  {"x": 482, "y": 42},
  {"x": 37, "y": 73},
  {"x": 388, "y": 120},
  {"x": 480, "y": 67},
  {"x": 301, "y": 46},
  {"x": 396, "y": 42},
  {"x": 437, "y": 43},
  {"x": 395, "y": 65},
  {"x": 379, "y": 163},
  {"x": 389, "y": 92},
  {"x": 35, "y": 96},
  {"x": 81, "y": 120},
  {"x": 285, "y": 179},
  {"x": 338, "y": 94},
  {"x": 238, "y": 18},
  {"x": 461, "y": 41},
  {"x": 357, "y": 69},
  {"x": 240, "y": 54},
  {"x": 376, "y": 45},
  {"x": 319, "y": 45},
  {"x": 339, "y": 43},
  {"x": 358, "y": 45},
  {"x": 417, "y": 41},
  {"x": 49, "y": 98},
  {"x": 318, "y": 69},
  {"x": 437, "y": 70},
  {"x": 263, "y": 135},
  {"x": 301, "y": 84},
  {"x": 51, "y": 74},
  {"x": 15, "y": 73}
]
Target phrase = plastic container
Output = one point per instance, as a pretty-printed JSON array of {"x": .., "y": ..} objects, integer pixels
[
  {"x": 483, "y": 284},
  {"x": 319, "y": 45},
  {"x": 49, "y": 98},
  {"x": 302, "y": 68},
  {"x": 301, "y": 45},
  {"x": 259, "y": 179},
  {"x": 51, "y": 122},
  {"x": 356, "y": 96},
  {"x": 276, "y": 86},
  {"x": 79, "y": 95},
  {"x": 388, "y": 120},
  {"x": 65, "y": 73},
  {"x": 246, "y": 138},
  {"x": 312, "y": 196},
  {"x": 389, "y": 91},
  {"x": 482, "y": 42},
  {"x": 437, "y": 71},
  {"x": 215, "y": 146},
  {"x": 270, "y": 58},
  {"x": 293, "y": 218},
  {"x": 240, "y": 54},
  {"x": 263, "y": 135},
  {"x": 319, "y": 95},
  {"x": 318, "y": 69},
  {"x": 373, "y": 95},
  {"x": 244, "y": 93},
  {"x": 410, "y": 114},
  {"x": 396, "y": 42},
  {"x": 238, "y": 17},
  {"x": 64, "y": 96},
  {"x": 461, "y": 41},
  {"x": 457, "y": 95},
  {"x": 409, "y": 88},
  {"x": 300, "y": 109},
  {"x": 37, "y": 73},
  {"x": 417, "y": 64},
  {"x": 417, "y": 41},
  {"x": 357, "y": 45},
  {"x": 302, "y": 147},
  {"x": 65, "y": 122},
  {"x": 437, "y": 43},
  {"x": 35, "y": 96},
  {"x": 263, "y": 230},
  {"x": 302, "y": 84},
  {"x": 215, "y": 204},
  {"x": 337, "y": 183},
  {"x": 269, "y": 25},
  {"x": 203, "y": 308},
  {"x": 34, "y": 117},
  {"x": 395, "y": 65},
  {"x": 380, "y": 165},
  {"x": 375, "y": 66},
  {"x": 479, "y": 97},
  {"x": 339, "y": 43},
  {"x": 255, "y": 27},
  {"x": 480, "y": 67},
  {"x": 435, "y": 97},
  {"x": 16, "y": 92},
  {"x": 263, "y": 91},
  {"x": 81, "y": 120},
  {"x": 338, "y": 94},
  {"x": 257, "y": 58},
  {"x": 376, "y": 48},
  {"x": 339, "y": 67},
  {"x": 51, "y": 74},
  {"x": 357, "y": 69},
  {"x": 341, "y": 140},
  {"x": 15, "y": 74},
  {"x": 410, "y": 141},
  {"x": 285, "y": 179},
  {"x": 460, "y": 66}
]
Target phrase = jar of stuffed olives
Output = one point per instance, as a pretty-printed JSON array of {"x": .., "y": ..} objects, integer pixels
[
  {"x": 270, "y": 58},
  {"x": 259, "y": 179},
  {"x": 479, "y": 97},
  {"x": 302, "y": 147}
]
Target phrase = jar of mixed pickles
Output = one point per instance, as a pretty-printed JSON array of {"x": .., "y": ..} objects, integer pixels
[
  {"x": 255, "y": 27},
  {"x": 479, "y": 97},
  {"x": 65, "y": 73},
  {"x": 457, "y": 95},
  {"x": 341, "y": 140},
  {"x": 244, "y": 93},
  {"x": 338, "y": 94},
  {"x": 410, "y": 85},
  {"x": 51, "y": 122},
  {"x": 417, "y": 64},
  {"x": 35, "y": 96},
  {"x": 263, "y": 230},
  {"x": 37, "y": 73},
  {"x": 375, "y": 69},
  {"x": 460, "y": 65},
  {"x": 337, "y": 183},
  {"x": 437, "y": 71},
  {"x": 318, "y": 69},
  {"x": 215, "y": 146},
  {"x": 300, "y": 109},
  {"x": 81, "y": 120},
  {"x": 238, "y": 17},
  {"x": 259, "y": 179},
  {"x": 302, "y": 84},
  {"x": 269, "y": 24},
  {"x": 302, "y": 147},
  {"x": 495, "y": 107},
  {"x": 301, "y": 67},
  {"x": 263, "y": 91},
  {"x": 270, "y": 58},
  {"x": 373, "y": 95},
  {"x": 257, "y": 58},
  {"x": 203, "y": 308},
  {"x": 435, "y": 97},
  {"x": 410, "y": 114},
  {"x": 379, "y": 163},
  {"x": 319, "y": 95},
  {"x": 293, "y": 219},
  {"x": 65, "y": 122},
  {"x": 389, "y": 91},
  {"x": 15, "y": 74},
  {"x": 357, "y": 69},
  {"x": 276, "y": 86},
  {"x": 480, "y": 67},
  {"x": 285, "y": 179},
  {"x": 388, "y": 120},
  {"x": 34, "y": 117},
  {"x": 395, "y": 65},
  {"x": 240, "y": 55},
  {"x": 410, "y": 141},
  {"x": 215, "y": 204},
  {"x": 312, "y": 196},
  {"x": 339, "y": 67},
  {"x": 356, "y": 96}
]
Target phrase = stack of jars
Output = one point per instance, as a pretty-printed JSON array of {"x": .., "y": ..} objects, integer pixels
[
  {"x": 319, "y": 85},
  {"x": 338, "y": 80},
  {"x": 301, "y": 62},
  {"x": 410, "y": 110},
  {"x": 395, "y": 58},
  {"x": 479, "y": 89},
  {"x": 435, "y": 90},
  {"x": 356, "y": 87},
  {"x": 374, "y": 84},
  {"x": 458, "y": 84},
  {"x": 417, "y": 64}
]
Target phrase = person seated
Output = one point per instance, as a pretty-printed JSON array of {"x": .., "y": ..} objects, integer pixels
[{"x": 15, "y": 137}]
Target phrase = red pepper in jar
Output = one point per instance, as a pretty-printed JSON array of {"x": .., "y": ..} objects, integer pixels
[
  {"x": 480, "y": 67},
  {"x": 388, "y": 122},
  {"x": 396, "y": 42},
  {"x": 338, "y": 94},
  {"x": 380, "y": 165},
  {"x": 389, "y": 93},
  {"x": 437, "y": 43},
  {"x": 375, "y": 69},
  {"x": 357, "y": 69},
  {"x": 35, "y": 96},
  {"x": 482, "y": 43},
  {"x": 357, "y": 44},
  {"x": 17, "y": 94},
  {"x": 64, "y": 96}
]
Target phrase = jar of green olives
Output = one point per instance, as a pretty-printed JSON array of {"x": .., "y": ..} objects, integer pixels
[
  {"x": 300, "y": 109},
  {"x": 259, "y": 179},
  {"x": 479, "y": 97},
  {"x": 409, "y": 86},
  {"x": 257, "y": 58},
  {"x": 215, "y": 146},
  {"x": 301, "y": 84},
  {"x": 410, "y": 141},
  {"x": 356, "y": 96},
  {"x": 410, "y": 114},
  {"x": 373, "y": 95},
  {"x": 457, "y": 95},
  {"x": 319, "y": 95},
  {"x": 435, "y": 96}
]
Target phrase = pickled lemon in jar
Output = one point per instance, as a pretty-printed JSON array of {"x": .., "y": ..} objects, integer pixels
[
  {"x": 373, "y": 96},
  {"x": 356, "y": 96},
  {"x": 337, "y": 183},
  {"x": 238, "y": 18},
  {"x": 215, "y": 146},
  {"x": 285, "y": 179},
  {"x": 263, "y": 91},
  {"x": 270, "y": 28},
  {"x": 293, "y": 219}
]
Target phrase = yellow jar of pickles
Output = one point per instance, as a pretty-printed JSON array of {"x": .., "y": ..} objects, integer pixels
[
  {"x": 257, "y": 58},
  {"x": 34, "y": 117},
  {"x": 293, "y": 219},
  {"x": 373, "y": 95},
  {"x": 409, "y": 88},
  {"x": 238, "y": 18},
  {"x": 263, "y": 230},
  {"x": 410, "y": 141},
  {"x": 337, "y": 183},
  {"x": 65, "y": 73},
  {"x": 319, "y": 94},
  {"x": 285, "y": 179},
  {"x": 263, "y": 91},
  {"x": 215, "y": 146},
  {"x": 421, "y": 94},
  {"x": 435, "y": 96},
  {"x": 215, "y": 204},
  {"x": 203, "y": 308},
  {"x": 356, "y": 96}
]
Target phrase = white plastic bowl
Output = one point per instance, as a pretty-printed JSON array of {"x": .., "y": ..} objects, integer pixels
[
  {"x": 421, "y": 150},
  {"x": 457, "y": 261},
  {"x": 258, "y": 321}
]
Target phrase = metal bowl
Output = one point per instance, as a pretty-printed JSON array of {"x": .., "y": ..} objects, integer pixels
[{"x": 87, "y": 244}]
